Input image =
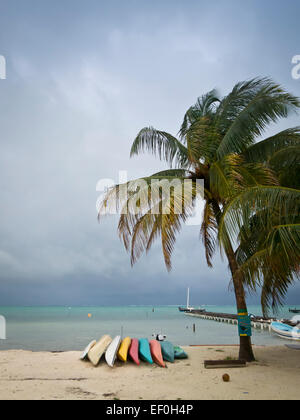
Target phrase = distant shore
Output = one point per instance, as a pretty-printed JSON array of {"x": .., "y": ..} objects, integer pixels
[{"x": 57, "y": 376}]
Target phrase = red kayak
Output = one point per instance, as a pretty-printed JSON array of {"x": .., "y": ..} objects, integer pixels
[
  {"x": 134, "y": 350},
  {"x": 156, "y": 354}
]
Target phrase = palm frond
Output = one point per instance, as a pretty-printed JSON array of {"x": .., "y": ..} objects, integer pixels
[
  {"x": 251, "y": 107},
  {"x": 209, "y": 229},
  {"x": 225, "y": 177},
  {"x": 161, "y": 144},
  {"x": 179, "y": 173},
  {"x": 237, "y": 214},
  {"x": 286, "y": 158},
  {"x": 264, "y": 150},
  {"x": 204, "y": 107}
]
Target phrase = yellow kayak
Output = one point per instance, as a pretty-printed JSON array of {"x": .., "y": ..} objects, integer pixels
[{"x": 123, "y": 350}]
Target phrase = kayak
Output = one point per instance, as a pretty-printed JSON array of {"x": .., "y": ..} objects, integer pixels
[
  {"x": 155, "y": 349},
  {"x": 179, "y": 353},
  {"x": 98, "y": 349},
  {"x": 123, "y": 350},
  {"x": 167, "y": 350},
  {"x": 134, "y": 350},
  {"x": 87, "y": 349},
  {"x": 144, "y": 350},
  {"x": 112, "y": 350},
  {"x": 285, "y": 331}
]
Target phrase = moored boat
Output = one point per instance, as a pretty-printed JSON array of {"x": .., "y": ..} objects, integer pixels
[
  {"x": 286, "y": 331},
  {"x": 189, "y": 308},
  {"x": 167, "y": 350},
  {"x": 144, "y": 350},
  {"x": 156, "y": 354},
  {"x": 134, "y": 350},
  {"x": 123, "y": 350},
  {"x": 295, "y": 320},
  {"x": 97, "y": 350},
  {"x": 112, "y": 350}
]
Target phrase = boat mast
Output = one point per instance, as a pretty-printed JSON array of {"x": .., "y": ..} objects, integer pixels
[{"x": 188, "y": 298}]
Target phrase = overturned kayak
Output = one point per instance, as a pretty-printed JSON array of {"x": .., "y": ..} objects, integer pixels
[
  {"x": 97, "y": 350},
  {"x": 112, "y": 350},
  {"x": 167, "y": 350},
  {"x": 123, "y": 350},
  {"x": 285, "y": 331},
  {"x": 87, "y": 349},
  {"x": 179, "y": 353},
  {"x": 144, "y": 350},
  {"x": 134, "y": 350},
  {"x": 156, "y": 354}
]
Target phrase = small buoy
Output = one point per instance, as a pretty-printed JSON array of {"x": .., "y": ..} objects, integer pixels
[
  {"x": 90, "y": 315},
  {"x": 226, "y": 377}
]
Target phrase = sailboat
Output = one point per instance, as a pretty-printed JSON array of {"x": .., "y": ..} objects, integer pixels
[{"x": 188, "y": 308}]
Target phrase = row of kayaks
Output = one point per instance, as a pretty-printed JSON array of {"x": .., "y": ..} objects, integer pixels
[{"x": 149, "y": 351}]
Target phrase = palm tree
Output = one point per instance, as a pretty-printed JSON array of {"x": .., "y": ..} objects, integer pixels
[
  {"x": 217, "y": 143},
  {"x": 266, "y": 221}
]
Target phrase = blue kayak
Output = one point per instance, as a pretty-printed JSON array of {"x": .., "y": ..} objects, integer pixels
[
  {"x": 179, "y": 353},
  {"x": 167, "y": 350},
  {"x": 144, "y": 350}
]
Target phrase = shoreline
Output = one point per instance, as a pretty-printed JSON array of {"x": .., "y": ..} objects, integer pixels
[{"x": 61, "y": 376}]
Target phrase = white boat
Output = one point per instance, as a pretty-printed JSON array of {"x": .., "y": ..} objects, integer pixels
[
  {"x": 112, "y": 350},
  {"x": 189, "y": 308},
  {"x": 286, "y": 331},
  {"x": 96, "y": 352},
  {"x": 295, "y": 319},
  {"x": 87, "y": 349}
]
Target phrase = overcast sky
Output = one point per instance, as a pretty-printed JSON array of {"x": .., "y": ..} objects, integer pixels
[{"x": 83, "y": 77}]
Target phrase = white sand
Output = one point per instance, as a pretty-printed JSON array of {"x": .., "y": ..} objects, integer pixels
[{"x": 42, "y": 375}]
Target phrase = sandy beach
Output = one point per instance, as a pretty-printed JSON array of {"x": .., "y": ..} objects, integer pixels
[{"x": 57, "y": 376}]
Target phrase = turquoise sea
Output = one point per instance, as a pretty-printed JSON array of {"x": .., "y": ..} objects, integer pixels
[{"x": 63, "y": 328}]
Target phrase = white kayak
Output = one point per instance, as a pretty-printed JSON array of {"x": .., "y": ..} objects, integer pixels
[
  {"x": 112, "y": 350},
  {"x": 285, "y": 331},
  {"x": 98, "y": 349},
  {"x": 87, "y": 349}
]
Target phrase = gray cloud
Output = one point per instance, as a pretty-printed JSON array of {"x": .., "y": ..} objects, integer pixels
[{"x": 82, "y": 79}]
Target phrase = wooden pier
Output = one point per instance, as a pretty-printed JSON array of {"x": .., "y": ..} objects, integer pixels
[{"x": 256, "y": 322}]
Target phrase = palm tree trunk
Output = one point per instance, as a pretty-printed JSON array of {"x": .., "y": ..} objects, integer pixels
[{"x": 246, "y": 351}]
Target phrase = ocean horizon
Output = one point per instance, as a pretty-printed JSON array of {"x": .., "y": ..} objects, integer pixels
[{"x": 64, "y": 328}]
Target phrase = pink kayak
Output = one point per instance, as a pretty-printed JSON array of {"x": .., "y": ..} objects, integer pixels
[
  {"x": 156, "y": 354},
  {"x": 134, "y": 351}
]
